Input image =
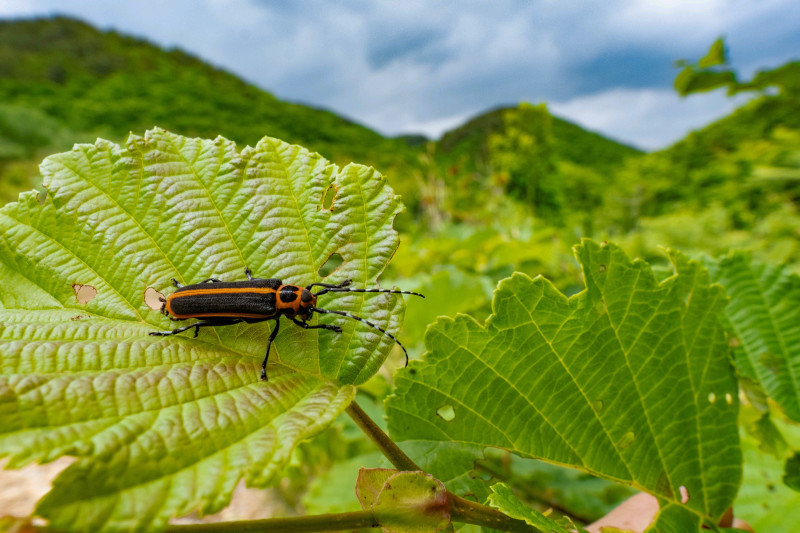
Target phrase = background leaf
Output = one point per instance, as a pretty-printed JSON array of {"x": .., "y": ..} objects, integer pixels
[
  {"x": 503, "y": 498},
  {"x": 765, "y": 502},
  {"x": 628, "y": 380},
  {"x": 167, "y": 425},
  {"x": 764, "y": 313}
]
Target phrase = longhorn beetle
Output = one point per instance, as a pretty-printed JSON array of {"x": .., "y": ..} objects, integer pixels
[{"x": 221, "y": 303}]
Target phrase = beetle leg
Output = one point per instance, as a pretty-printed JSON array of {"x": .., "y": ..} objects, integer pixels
[
  {"x": 176, "y": 283},
  {"x": 215, "y": 280},
  {"x": 269, "y": 344},
  {"x": 197, "y": 326},
  {"x": 303, "y": 324},
  {"x": 248, "y": 273}
]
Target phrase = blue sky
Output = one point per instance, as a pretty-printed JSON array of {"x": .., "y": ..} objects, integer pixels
[{"x": 427, "y": 66}]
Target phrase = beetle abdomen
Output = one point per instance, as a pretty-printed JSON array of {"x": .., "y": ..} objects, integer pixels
[{"x": 247, "y": 299}]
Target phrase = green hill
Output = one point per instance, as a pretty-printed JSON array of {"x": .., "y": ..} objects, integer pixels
[
  {"x": 571, "y": 142},
  {"x": 63, "y": 81},
  {"x": 553, "y": 166}
]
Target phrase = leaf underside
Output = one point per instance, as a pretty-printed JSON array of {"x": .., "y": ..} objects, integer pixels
[
  {"x": 166, "y": 425},
  {"x": 628, "y": 380}
]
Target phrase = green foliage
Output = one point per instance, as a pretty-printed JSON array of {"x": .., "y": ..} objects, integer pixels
[
  {"x": 708, "y": 74},
  {"x": 531, "y": 155},
  {"x": 524, "y": 156},
  {"x": 764, "y": 501},
  {"x": 791, "y": 472},
  {"x": 596, "y": 381},
  {"x": 713, "y": 71},
  {"x": 146, "y": 416},
  {"x": 764, "y": 313}
]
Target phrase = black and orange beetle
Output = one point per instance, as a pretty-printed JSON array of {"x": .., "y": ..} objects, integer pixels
[{"x": 221, "y": 303}]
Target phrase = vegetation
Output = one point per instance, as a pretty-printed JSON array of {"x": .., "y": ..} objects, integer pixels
[{"x": 549, "y": 371}]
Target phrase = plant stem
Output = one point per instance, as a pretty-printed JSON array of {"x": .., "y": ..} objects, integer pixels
[
  {"x": 386, "y": 445},
  {"x": 294, "y": 524},
  {"x": 461, "y": 510}
]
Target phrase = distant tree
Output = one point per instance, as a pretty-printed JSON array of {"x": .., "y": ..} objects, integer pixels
[{"x": 524, "y": 156}]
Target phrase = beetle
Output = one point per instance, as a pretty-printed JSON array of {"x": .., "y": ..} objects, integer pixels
[{"x": 221, "y": 303}]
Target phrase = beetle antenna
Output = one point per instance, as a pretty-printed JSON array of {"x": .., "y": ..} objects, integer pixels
[
  {"x": 390, "y": 291},
  {"x": 367, "y": 322}
]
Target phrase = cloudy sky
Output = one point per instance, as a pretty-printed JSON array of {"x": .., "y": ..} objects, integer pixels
[{"x": 426, "y": 66}]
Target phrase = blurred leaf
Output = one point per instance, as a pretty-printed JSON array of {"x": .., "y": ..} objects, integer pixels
[
  {"x": 628, "y": 380},
  {"x": 693, "y": 81},
  {"x": 504, "y": 500},
  {"x": 764, "y": 312},
  {"x": 447, "y": 292},
  {"x": 404, "y": 502},
  {"x": 577, "y": 493},
  {"x": 164, "y": 426},
  {"x": 791, "y": 472},
  {"x": 769, "y": 436},
  {"x": 716, "y": 55},
  {"x": 764, "y": 501}
]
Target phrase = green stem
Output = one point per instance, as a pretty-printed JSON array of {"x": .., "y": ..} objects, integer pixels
[
  {"x": 461, "y": 510},
  {"x": 294, "y": 524},
  {"x": 386, "y": 445}
]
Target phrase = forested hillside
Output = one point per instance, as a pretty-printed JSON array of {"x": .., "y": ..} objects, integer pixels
[{"x": 63, "y": 81}]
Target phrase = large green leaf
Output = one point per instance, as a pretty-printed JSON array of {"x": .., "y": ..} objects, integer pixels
[
  {"x": 628, "y": 380},
  {"x": 166, "y": 425},
  {"x": 764, "y": 313}
]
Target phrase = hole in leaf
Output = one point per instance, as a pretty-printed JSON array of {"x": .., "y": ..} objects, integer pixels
[
  {"x": 446, "y": 413},
  {"x": 329, "y": 197},
  {"x": 684, "y": 494},
  {"x": 79, "y": 317},
  {"x": 602, "y": 269},
  {"x": 84, "y": 293},
  {"x": 153, "y": 299},
  {"x": 712, "y": 397},
  {"x": 333, "y": 262},
  {"x": 729, "y": 398},
  {"x": 626, "y": 440},
  {"x": 598, "y": 405},
  {"x": 733, "y": 342}
]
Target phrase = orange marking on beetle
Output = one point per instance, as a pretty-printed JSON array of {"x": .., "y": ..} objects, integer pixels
[
  {"x": 201, "y": 315},
  {"x": 198, "y": 292}
]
